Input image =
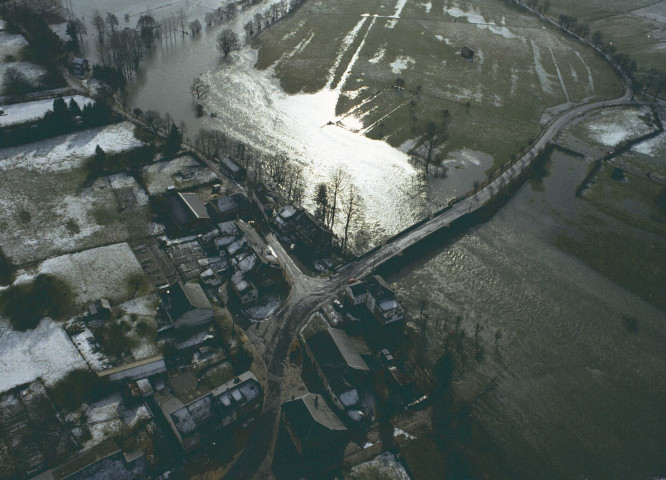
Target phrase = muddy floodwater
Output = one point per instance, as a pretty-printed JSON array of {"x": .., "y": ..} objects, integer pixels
[{"x": 569, "y": 392}]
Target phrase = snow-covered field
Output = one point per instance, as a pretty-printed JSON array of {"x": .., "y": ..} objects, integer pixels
[
  {"x": 48, "y": 206},
  {"x": 610, "y": 127},
  {"x": 28, "y": 111},
  {"x": 45, "y": 352},
  {"x": 69, "y": 151},
  {"x": 384, "y": 466},
  {"x": 181, "y": 172},
  {"x": 101, "y": 272}
]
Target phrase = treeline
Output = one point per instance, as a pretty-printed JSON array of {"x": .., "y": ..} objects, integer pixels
[
  {"x": 270, "y": 16},
  {"x": 276, "y": 169},
  {"x": 650, "y": 82},
  {"x": 63, "y": 118}
]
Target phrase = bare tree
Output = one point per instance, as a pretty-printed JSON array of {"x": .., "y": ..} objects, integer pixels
[
  {"x": 111, "y": 21},
  {"x": 99, "y": 24},
  {"x": 336, "y": 185},
  {"x": 154, "y": 120},
  {"x": 195, "y": 27},
  {"x": 227, "y": 41},
  {"x": 352, "y": 208},
  {"x": 199, "y": 88},
  {"x": 435, "y": 135}
]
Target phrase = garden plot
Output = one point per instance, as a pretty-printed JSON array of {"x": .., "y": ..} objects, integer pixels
[
  {"x": 140, "y": 314},
  {"x": 111, "y": 272},
  {"x": 610, "y": 127},
  {"x": 30, "y": 111},
  {"x": 50, "y": 208},
  {"x": 45, "y": 352},
  {"x": 181, "y": 173},
  {"x": 109, "y": 417}
]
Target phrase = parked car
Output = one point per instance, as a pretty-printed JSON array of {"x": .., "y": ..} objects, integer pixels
[{"x": 337, "y": 304}]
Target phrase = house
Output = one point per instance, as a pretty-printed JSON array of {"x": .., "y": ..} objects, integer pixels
[
  {"x": 80, "y": 66},
  {"x": 148, "y": 367},
  {"x": 308, "y": 233},
  {"x": 266, "y": 199},
  {"x": 232, "y": 168},
  {"x": 314, "y": 429},
  {"x": 105, "y": 460},
  {"x": 378, "y": 297},
  {"x": 100, "y": 310},
  {"x": 467, "y": 53},
  {"x": 229, "y": 208},
  {"x": 246, "y": 291},
  {"x": 237, "y": 401},
  {"x": 187, "y": 211},
  {"x": 186, "y": 306},
  {"x": 341, "y": 368}
]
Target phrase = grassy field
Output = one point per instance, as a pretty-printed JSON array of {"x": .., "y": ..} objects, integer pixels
[
  {"x": 633, "y": 201},
  {"x": 50, "y": 207},
  {"x": 520, "y": 69},
  {"x": 609, "y": 127},
  {"x": 635, "y": 27}
]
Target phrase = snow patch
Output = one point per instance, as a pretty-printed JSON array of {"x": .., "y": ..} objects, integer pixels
[
  {"x": 378, "y": 56},
  {"x": 384, "y": 466},
  {"x": 45, "y": 352},
  {"x": 544, "y": 77},
  {"x": 474, "y": 17},
  {"x": 402, "y": 63}
]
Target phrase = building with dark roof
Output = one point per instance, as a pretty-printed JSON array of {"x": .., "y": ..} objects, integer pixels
[
  {"x": 232, "y": 168},
  {"x": 103, "y": 461},
  {"x": 308, "y": 233},
  {"x": 80, "y": 66},
  {"x": 236, "y": 401},
  {"x": 228, "y": 208},
  {"x": 266, "y": 199},
  {"x": 100, "y": 310},
  {"x": 186, "y": 306},
  {"x": 341, "y": 368},
  {"x": 187, "y": 211},
  {"x": 314, "y": 429},
  {"x": 379, "y": 298},
  {"x": 467, "y": 53}
]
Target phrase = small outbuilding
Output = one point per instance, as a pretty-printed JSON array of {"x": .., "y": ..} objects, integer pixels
[
  {"x": 100, "y": 310},
  {"x": 467, "y": 53}
]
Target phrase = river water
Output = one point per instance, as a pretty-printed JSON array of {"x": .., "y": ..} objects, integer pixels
[{"x": 569, "y": 392}]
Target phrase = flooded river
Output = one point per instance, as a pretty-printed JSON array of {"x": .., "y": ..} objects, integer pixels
[{"x": 570, "y": 393}]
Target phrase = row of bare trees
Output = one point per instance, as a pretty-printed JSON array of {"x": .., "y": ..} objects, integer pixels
[
  {"x": 339, "y": 198},
  {"x": 269, "y": 16}
]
